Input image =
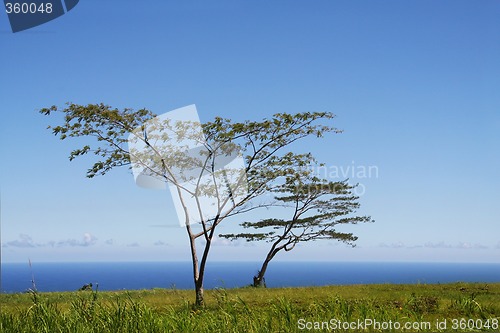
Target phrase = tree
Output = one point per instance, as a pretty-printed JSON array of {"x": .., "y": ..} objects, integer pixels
[
  {"x": 318, "y": 206},
  {"x": 263, "y": 145}
]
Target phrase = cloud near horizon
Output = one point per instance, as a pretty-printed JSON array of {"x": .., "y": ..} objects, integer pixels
[
  {"x": 23, "y": 241},
  {"x": 26, "y": 241},
  {"x": 438, "y": 245}
]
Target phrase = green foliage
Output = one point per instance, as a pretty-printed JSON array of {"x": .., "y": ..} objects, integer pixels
[
  {"x": 259, "y": 140},
  {"x": 108, "y": 126},
  {"x": 316, "y": 207},
  {"x": 265, "y": 144}
]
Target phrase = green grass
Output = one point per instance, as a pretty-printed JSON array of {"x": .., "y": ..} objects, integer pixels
[{"x": 256, "y": 310}]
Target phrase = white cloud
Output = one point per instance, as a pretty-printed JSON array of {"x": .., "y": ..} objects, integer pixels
[
  {"x": 439, "y": 245},
  {"x": 23, "y": 241},
  {"x": 397, "y": 245},
  {"x": 467, "y": 245},
  {"x": 87, "y": 240}
]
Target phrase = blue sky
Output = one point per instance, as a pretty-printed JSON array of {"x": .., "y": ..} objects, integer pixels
[{"x": 414, "y": 85}]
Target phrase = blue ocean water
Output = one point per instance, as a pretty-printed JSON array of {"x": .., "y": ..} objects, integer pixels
[{"x": 16, "y": 277}]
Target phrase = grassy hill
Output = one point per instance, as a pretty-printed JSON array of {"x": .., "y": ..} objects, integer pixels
[{"x": 462, "y": 307}]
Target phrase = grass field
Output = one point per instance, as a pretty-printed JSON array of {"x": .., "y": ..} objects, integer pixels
[{"x": 458, "y": 307}]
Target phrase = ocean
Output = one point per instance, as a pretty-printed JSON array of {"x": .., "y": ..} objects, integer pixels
[{"x": 16, "y": 277}]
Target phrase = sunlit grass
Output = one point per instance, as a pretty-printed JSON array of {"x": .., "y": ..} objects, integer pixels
[{"x": 245, "y": 309}]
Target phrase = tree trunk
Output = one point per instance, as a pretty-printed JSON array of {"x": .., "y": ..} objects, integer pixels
[
  {"x": 197, "y": 275},
  {"x": 199, "y": 271},
  {"x": 200, "y": 300},
  {"x": 199, "y": 283},
  {"x": 259, "y": 280}
]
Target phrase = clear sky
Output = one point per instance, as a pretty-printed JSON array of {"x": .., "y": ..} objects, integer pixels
[{"x": 414, "y": 84}]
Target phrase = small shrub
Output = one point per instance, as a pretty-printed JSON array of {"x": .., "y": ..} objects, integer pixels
[{"x": 422, "y": 304}]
